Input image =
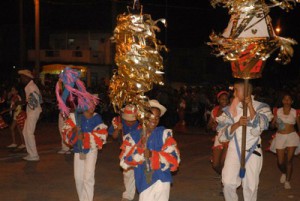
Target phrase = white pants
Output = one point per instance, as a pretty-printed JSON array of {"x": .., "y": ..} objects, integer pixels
[
  {"x": 84, "y": 173},
  {"x": 159, "y": 191},
  {"x": 231, "y": 179},
  {"x": 28, "y": 132},
  {"x": 129, "y": 183},
  {"x": 60, "y": 126}
]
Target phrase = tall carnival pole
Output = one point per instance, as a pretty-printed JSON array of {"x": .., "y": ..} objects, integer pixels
[
  {"x": 248, "y": 41},
  {"x": 139, "y": 64}
]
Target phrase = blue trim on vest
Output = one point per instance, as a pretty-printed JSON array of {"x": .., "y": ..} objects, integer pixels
[{"x": 250, "y": 151}]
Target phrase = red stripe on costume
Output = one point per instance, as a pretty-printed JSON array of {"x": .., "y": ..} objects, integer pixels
[
  {"x": 169, "y": 142},
  {"x": 86, "y": 140},
  {"x": 171, "y": 159},
  {"x": 155, "y": 163},
  {"x": 98, "y": 141},
  {"x": 215, "y": 111},
  {"x": 123, "y": 148},
  {"x": 67, "y": 133},
  {"x": 70, "y": 122},
  {"x": 133, "y": 162},
  {"x": 101, "y": 132}
]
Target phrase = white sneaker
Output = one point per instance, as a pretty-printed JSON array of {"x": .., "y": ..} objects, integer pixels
[
  {"x": 13, "y": 145},
  {"x": 31, "y": 158},
  {"x": 283, "y": 178},
  {"x": 63, "y": 151},
  {"x": 22, "y": 146},
  {"x": 287, "y": 185}
]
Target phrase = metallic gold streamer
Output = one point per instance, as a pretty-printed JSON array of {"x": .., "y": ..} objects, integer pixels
[{"x": 139, "y": 63}]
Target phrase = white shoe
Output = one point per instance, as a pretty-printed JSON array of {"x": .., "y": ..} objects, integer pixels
[
  {"x": 287, "y": 185},
  {"x": 63, "y": 151},
  {"x": 22, "y": 146},
  {"x": 31, "y": 158},
  {"x": 68, "y": 152},
  {"x": 13, "y": 145},
  {"x": 283, "y": 178}
]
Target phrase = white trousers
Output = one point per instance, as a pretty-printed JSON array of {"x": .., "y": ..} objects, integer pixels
[
  {"x": 129, "y": 183},
  {"x": 159, "y": 191},
  {"x": 60, "y": 126},
  {"x": 28, "y": 132},
  {"x": 231, "y": 179},
  {"x": 84, "y": 173}
]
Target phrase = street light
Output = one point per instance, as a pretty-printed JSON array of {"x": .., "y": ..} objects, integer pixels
[
  {"x": 278, "y": 30},
  {"x": 37, "y": 36}
]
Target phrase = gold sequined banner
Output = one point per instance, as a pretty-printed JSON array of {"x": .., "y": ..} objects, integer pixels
[{"x": 138, "y": 59}]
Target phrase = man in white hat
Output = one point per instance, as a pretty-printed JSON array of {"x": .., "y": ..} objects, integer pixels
[
  {"x": 153, "y": 155},
  {"x": 121, "y": 125},
  {"x": 33, "y": 110}
]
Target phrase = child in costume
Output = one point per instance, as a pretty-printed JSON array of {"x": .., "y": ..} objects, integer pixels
[
  {"x": 122, "y": 125},
  {"x": 153, "y": 155},
  {"x": 230, "y": 125},
  {"x": 219, "y": 149},
  {"x": 83, "y": 129}
]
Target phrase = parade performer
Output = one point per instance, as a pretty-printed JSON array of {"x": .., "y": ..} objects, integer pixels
[
  {"x": 83, "y": 129},
  {"x": 159, "y": 147},
  {"x": 219, "y": 149},
  {"x": 286, "y": 142},
  {"x": 230, "y": 128},
  {"x": 33, "y": 111},
  {"x": 65, "y": 149},
  {"x": 122, "y": 125},
  {"x": 17, "y": 122}
]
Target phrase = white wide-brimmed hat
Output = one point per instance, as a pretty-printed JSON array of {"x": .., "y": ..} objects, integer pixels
[
  {"x": 26, "y": 72},
  {"x": 155, "y": 103},
  {"x": 129, "y": 113}
]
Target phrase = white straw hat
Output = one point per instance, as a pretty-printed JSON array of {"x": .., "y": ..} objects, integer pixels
[
  {"x": 26, "y": 72},
  {"x": 155, "y": 103}
]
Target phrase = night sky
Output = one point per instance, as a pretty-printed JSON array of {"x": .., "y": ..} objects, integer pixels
[{"x": 189, "y": 21}]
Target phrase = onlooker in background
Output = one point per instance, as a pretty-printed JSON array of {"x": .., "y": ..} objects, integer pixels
[
  {"x": 33, "y": 111},
  {"x": 15, "y": 110}
]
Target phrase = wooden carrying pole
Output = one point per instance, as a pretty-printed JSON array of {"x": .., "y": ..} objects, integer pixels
[{"x": 244, "y": 131}]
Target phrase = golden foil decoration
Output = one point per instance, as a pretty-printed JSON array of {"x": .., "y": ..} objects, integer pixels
[
  {"x": 250, "y": 26},
  {"x": 138, "y": 59}
]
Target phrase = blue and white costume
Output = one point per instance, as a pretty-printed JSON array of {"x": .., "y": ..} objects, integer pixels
[
  {"x": 230, "y": 173},
  {"x": 128, "y": 175},
  {"x": 95, "y": 133},
  {"x": 165, "y": 158}
]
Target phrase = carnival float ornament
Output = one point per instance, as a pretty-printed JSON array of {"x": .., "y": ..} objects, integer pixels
[
  {"x": 248, "y": 41},
  {"x": 138, "y": 58}
]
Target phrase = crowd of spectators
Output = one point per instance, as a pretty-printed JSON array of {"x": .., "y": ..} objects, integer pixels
[{"x": 198, "y": 99}]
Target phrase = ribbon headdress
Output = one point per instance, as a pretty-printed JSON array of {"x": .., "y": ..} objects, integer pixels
[{"x": 72, "y": 87}]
